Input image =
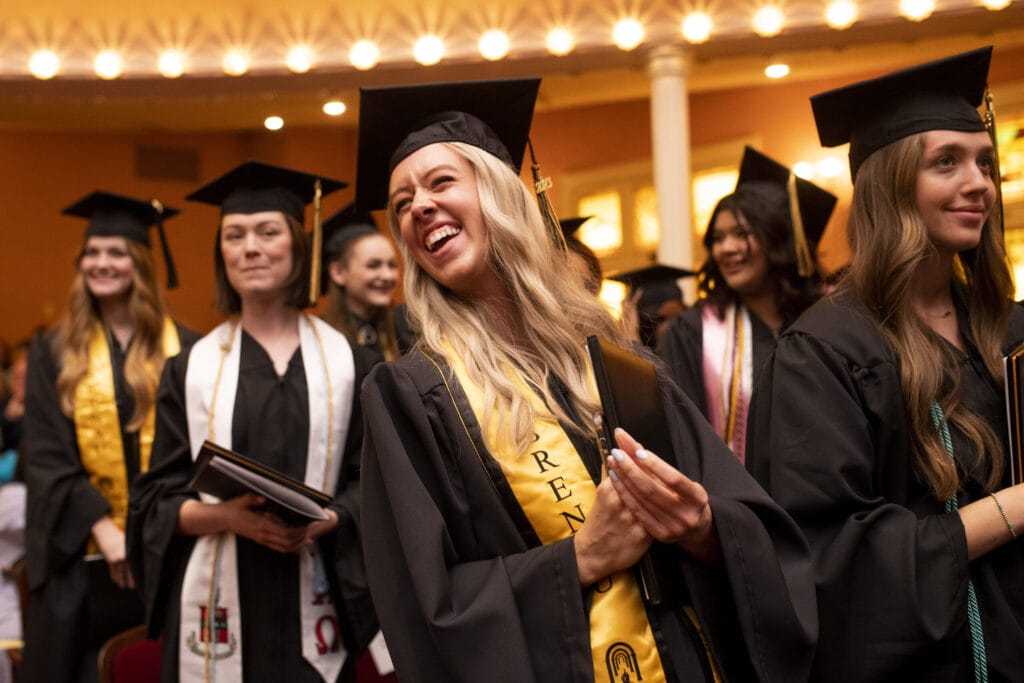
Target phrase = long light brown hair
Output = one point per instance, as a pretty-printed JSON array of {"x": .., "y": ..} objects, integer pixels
[
  {"x": 145, "y": 357},
  {"x": 889, "y": 241},
  {"x": 556, "y": 312}
]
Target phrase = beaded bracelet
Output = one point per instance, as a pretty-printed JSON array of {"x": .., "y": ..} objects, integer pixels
[{"x": 1005, "y": 518}]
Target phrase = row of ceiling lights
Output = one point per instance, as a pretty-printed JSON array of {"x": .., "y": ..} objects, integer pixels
[
  {"x": 336, "y": 107},
  {"x": 627, "y": 34}
]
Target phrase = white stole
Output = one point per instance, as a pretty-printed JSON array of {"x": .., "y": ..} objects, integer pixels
[
  {"x": 728, "y": 360},
  {"x": 209, "y": 597}
]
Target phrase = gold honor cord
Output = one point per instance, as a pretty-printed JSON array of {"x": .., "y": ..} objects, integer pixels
[
  {"x": 804, "y": 259},
  {"x": 997, "y": 178},
  {"x": 318, "y": 241},
  {"x": 541, "y": 186}
]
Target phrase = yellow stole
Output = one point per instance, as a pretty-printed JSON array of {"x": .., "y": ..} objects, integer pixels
[
  {"x": 98, "y": 426},
  {"x": 554, "y": 489}
]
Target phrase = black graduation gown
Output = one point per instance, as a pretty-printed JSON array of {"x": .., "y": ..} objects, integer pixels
[
  {"x": 465, "y": 592},
  {"x": 74, "y": 606},
  {"x": 681, "y": 347},
  {"x": 830, "y": 441},
  {"x": 270, "y": 424}
]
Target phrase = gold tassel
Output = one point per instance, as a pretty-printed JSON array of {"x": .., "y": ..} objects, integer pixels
[
  {"x": 997, "y": 177},
  {"x": 804, "y": 258},
  {"x": 547, "y": 212},
  {"x": 318, "y": 240}
]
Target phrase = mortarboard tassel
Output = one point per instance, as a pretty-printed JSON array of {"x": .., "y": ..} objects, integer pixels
[
  {"x": 172, "y": 272},
  {"x": 804, "y": 259},
  {"x": 318, "y": 240},
  {"x": 997, "y": 177},
  {"x": 541, "y": 186}
]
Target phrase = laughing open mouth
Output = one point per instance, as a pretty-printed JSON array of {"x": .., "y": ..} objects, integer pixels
[{"x": 439, "y": 237}]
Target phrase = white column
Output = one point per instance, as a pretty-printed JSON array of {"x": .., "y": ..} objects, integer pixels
[{"x": 668, "y": 66}]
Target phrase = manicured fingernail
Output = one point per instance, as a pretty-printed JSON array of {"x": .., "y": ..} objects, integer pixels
[
  {"x": 618, "y": 454},
  {"x": 641, "y": 454},
  {"x": 614, "y": 477}
]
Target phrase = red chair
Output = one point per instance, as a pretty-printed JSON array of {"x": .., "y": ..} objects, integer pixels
[{"x": 129, "y": 657}]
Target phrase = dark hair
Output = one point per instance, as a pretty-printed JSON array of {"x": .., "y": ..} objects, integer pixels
[
  {"x": 576, "y": 246},
  {"x": 227, "y": 299},
  {"x": 766, "y": 210}
]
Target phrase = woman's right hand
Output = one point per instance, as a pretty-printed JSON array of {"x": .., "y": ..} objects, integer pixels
[
  {"x": 111, "y": 543},
  {"x": 612, "y": 538}
]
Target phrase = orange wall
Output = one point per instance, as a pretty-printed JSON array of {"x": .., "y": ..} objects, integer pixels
[{"x": 45, "y": 172}]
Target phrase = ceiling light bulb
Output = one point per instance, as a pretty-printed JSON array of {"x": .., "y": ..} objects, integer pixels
[
  {"x": 108, "y": 64},
  {"x": 841, "y": 14},
  {"x": 44, "y": 64},
  {"x": 235, "y": 62},
  {"x": 364, "y": 55},
  {"x": 334, "y": 108},
  {"x": 428, "y": 50},
  {"x": 776, "y": 70},
  {"x": 696, "y": 27},
  {"x": 560, "y": 41},
  {"x": 768, "y": 21},
  {"x": 627, "y": 33},
  {"x": 494, "y": 45},
  {"x": 171, "y": 63},
  {"x": 299, "y": 59},
  {"x": 917, "y": 10},
  {"x": 996, "y": 5},
  {"x": 273, "y": 123}
]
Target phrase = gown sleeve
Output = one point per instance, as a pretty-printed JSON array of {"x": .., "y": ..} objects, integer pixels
[
  {"x": 830, "y": 444},
  {"x": 759, "y": 606},
  {"x": 156, "y": 552},
  {"x": 62, "y": 503},
  {"x": 452, "y": 608}
]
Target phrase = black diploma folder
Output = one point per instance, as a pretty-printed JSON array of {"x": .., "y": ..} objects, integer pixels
[
  {"x": 631, "y": 398},
  {"x": 1013, "y": 365},
  {"x": 225, "y": 474}
]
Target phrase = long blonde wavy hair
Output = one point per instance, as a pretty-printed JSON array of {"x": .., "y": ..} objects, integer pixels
[
  {"x": 557, "y": 312},
  {"x": 889, "y": 241},
  {"x": 145, "y": 357}
]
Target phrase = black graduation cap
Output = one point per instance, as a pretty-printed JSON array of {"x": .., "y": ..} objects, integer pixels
[
  {"x": 816, "y": 204},
  {"x": 939, "y": 95},
  {"x": 114, "y": 215},
  {"x": 344, "y": 226},
  {"x": 396, "y": 121},
  {"x": 570, "y": 226},
  {"x": 659, "y": 284},
  {"x": 255, "y": 186}
]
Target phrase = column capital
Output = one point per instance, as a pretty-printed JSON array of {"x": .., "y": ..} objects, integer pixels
[{"x": 669, "y": 60}]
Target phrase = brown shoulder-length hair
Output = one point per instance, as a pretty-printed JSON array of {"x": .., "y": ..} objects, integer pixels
[
  {"x": 767, "y": 213},
  {"x": 145, "y": 357},
  {"x": 888, "y": 242},
  {"x": 227, "y": 300},
  {"x": 338, "y": 314}
]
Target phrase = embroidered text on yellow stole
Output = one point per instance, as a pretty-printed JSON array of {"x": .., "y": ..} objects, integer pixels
[
  {"x": 98, "y": 427},
  {"x": 554, "y": 489}
]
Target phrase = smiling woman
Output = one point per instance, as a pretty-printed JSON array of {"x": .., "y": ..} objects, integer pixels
[
  {"x": 89, "y": 414},
  {"x": 497, "y": 548},
  {"x": 880, "y": 425},
  {"x": 277, "y": 385}
]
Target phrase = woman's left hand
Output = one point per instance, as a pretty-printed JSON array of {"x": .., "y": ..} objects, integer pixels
[
  {"x": 315, "y": 530},
  {"x": 673, "y": 508}
]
